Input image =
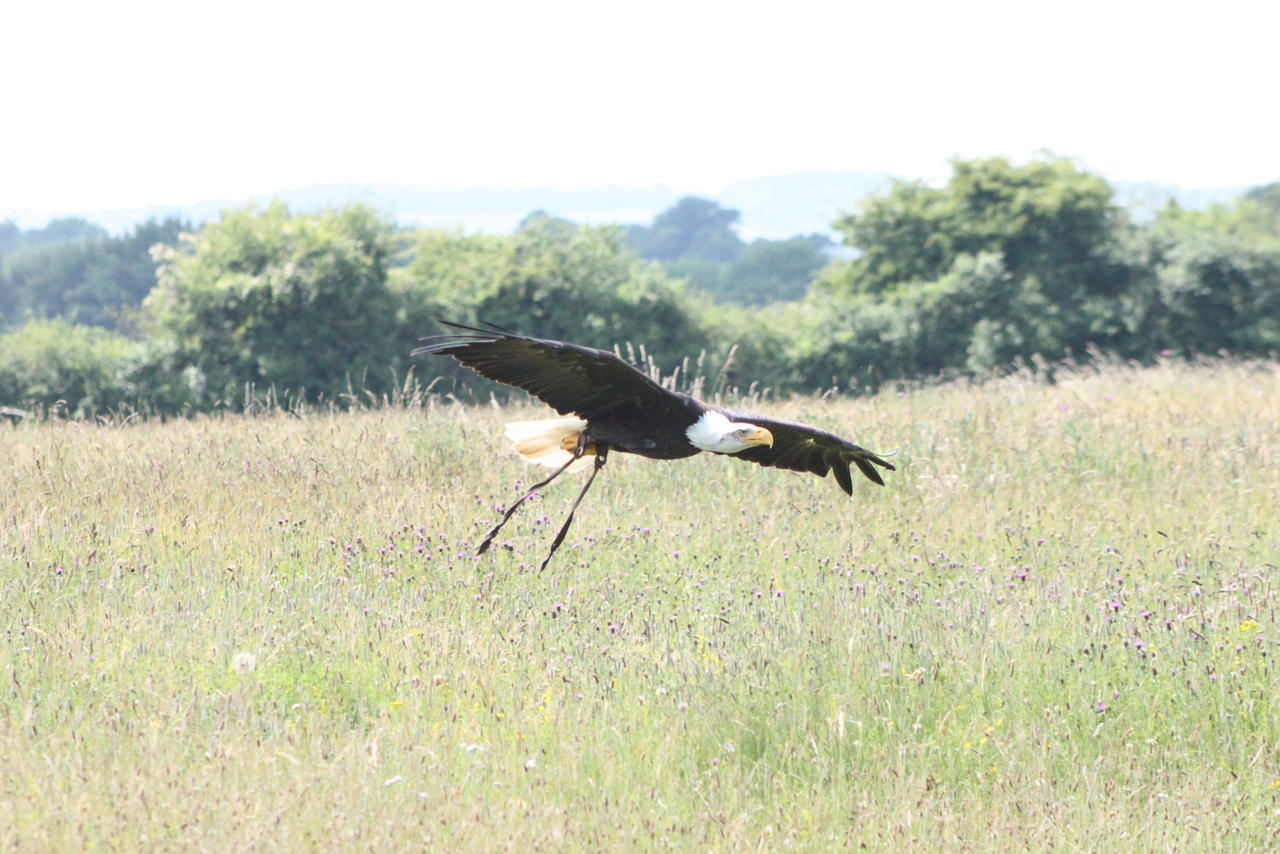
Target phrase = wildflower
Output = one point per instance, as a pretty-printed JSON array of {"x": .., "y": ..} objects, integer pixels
[{"x": 244, "y": 662}]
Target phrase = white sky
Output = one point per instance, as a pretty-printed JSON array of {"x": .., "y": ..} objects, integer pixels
[{"x": 127, "y": 104}]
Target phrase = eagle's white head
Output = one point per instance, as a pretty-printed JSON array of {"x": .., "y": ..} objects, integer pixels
[{"x": 714, "y": 432}]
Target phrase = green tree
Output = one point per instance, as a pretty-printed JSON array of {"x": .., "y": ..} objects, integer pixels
[
  {"x": 586, "y": 285},
  {"x": 908, "y": 234},
  {"x": 448, "y": 275},
  {"x": 1046, "y": 219},
  {"x": 922, "y": 329},
  {"x": 1253, "y": 219},
  {"x": 45, "y": 364},
  {"x": 696, "y": 240},
  {"x": 692, "y": 228},
  {"x": 701, "y": 275},
  {"x": 92, "y": 279},
  {"x": 59, "y": 230},
  {"x": 35, "y": 280},
  {"x": 553, "y": 279},
  {"x": 1053, "y": 228},
  {"x": 265, "y": 298},
  {"x": 774, "y": 270},
  {"x": 10, "y": 236},
  {"x": 1203, "y": 289},
  {"x": 1268, "y": 197}
]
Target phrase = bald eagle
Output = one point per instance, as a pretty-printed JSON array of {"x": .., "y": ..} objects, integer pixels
[{"x": 606, "y": 404}]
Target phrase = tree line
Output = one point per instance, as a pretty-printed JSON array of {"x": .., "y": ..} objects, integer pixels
[{"x": 1003, "y": 263}]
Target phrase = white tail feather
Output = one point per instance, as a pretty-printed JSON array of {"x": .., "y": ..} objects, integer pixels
[{"x": 541, "y": 442}]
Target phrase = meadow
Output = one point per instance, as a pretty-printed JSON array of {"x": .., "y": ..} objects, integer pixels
[{"x": 1055, "y": 629}]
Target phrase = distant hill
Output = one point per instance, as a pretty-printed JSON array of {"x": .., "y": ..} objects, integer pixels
[
  {"x": 774, "y": 207},
  {"x": 494, "y": 209},
  {"x": 1145, "y": 198},
  {"x": 782, "y": 206}
]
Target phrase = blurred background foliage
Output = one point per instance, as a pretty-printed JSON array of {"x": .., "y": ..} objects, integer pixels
[{"x": 1003, "y": 264}]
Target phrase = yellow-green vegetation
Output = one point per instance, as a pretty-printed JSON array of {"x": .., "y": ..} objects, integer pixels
[{"x": 1055, "y": 629}]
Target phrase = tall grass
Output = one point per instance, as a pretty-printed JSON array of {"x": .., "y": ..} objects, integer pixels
[{"x": 1054, "y": 629}]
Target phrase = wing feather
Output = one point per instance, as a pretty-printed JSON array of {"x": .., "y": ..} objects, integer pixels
[
  {"x": 841, "y": 470},
  {"x": 568, "y": 377},
  {"x": 799, "y": 447}
]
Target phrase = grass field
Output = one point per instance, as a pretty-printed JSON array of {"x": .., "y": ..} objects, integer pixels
[{"x": 1054, "y": 629}]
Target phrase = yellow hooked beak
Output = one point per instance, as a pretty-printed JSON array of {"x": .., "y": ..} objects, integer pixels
[{"x": 758, "y": 436}]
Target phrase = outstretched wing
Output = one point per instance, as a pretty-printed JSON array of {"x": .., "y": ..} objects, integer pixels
[
  {"x": 568, "y": 377},
  {"x": 800, "y": 447}
]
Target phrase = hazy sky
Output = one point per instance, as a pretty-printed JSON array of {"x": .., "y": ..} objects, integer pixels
[{"x": 126, "y": 104}]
